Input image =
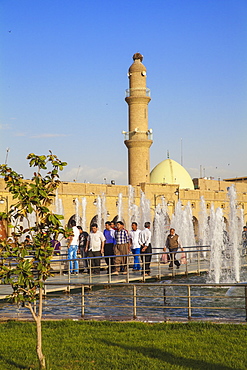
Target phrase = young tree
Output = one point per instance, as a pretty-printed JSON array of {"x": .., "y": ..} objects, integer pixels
[{"x": 26, "y": 273}]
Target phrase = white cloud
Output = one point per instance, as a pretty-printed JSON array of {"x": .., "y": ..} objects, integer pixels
[
  {"x": 42, "y": 136},
  {"x": 95, "y": 175},
  {"x": 5, "y": 126},
  {"x": 20, "y": 134}
]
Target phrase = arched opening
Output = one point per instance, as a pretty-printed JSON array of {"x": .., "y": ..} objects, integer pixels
[
  {"x": 77, "y": 219},
  {"x": 116, "y": 219},
  {"x": 95, "y": 220}
]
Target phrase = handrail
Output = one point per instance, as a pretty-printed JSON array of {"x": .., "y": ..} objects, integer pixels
[
  {"x": 122, "y": 255},
  {"x": 159, "y": 267},
  {"x": 136, "y": 308}
]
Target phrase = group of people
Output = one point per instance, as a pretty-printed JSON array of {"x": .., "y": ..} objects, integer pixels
[{"x": 115, "y": 243}]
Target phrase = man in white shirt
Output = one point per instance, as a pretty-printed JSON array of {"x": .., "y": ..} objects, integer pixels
[
  {"x": 135, "y": 246},
  {"x": 95, "y": 247},
  {"x": 72, "y": 249},
  {"x": 146, "y": 248}
]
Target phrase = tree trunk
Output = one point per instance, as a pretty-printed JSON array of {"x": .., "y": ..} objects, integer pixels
[{"x": 40, "y": 355}]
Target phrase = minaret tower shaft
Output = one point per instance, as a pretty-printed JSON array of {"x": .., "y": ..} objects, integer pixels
[{"x": 138, "y": 139}]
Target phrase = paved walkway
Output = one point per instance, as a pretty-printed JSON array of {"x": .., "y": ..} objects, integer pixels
[{"x": 59, "y": 282}]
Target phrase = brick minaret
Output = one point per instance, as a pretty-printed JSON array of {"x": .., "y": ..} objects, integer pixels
[{"x": 138, "y": 139}]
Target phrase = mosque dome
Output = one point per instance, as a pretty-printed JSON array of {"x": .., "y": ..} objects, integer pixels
[{"x": 171, "y": 172}]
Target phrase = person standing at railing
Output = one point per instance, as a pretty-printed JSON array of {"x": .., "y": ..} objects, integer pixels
[
  {"x": 95, "y": 247},
  {"x": 83, "y": 236},
  {"x": 121, "y": 248},
  {"x": 146, "y": 248},
  {"x": 56, "y": 245},
  {"x": 110, "y": 241},
  {"x": 135, "y": 245},
  {"x": 72, "y": 249},
  {"x": 244, "y": 237},
  {"x": 173, "y": 243}
]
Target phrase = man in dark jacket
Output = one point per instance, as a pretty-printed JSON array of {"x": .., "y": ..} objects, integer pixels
[
  {"x": 83, "y": 236},
  {"x": 173, "y": 243}
]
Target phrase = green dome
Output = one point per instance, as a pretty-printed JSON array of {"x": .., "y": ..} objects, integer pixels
[{"x": 171, "y": 172}]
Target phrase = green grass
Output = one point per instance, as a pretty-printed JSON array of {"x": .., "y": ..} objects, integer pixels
[{"x": 105, "y": 345}]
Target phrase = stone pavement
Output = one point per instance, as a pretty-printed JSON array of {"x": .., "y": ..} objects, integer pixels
[{"x": 61, "y": 282}]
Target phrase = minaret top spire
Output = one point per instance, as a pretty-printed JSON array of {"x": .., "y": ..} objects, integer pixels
[{"x": 138, "y": 56}]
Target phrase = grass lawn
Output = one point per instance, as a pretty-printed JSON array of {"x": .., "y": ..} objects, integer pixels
[{"x": 89, "y": 345}]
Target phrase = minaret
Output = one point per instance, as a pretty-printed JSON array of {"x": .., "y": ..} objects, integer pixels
[{"x": 138, "y": 139}]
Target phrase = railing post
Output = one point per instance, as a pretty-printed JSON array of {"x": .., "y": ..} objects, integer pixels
[
  {"x": 189, "y": 302},
  {"x": 198, "y": 262},
  {"x": 173, "y": 265},
  {"x": 134, "y": 303},
  {"x": 69, "y": 276},
  {"x": 159, "y": 269},
  {"x": 127, "y": 278},
  {"x": 143, "y": 266},
  {"x": 245, "y": 290},
  {"x": 60, "y": 268},
  {"x": 186, "y": 263},
  {"x": 82, "y": 301},
  {"x": 90, "y": 270},
  {"x": 109, "y": 277}
]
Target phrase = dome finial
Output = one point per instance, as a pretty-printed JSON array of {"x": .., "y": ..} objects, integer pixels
[
  {"x": 168, "y": 154},
  {"x": 138, "y": 56}
]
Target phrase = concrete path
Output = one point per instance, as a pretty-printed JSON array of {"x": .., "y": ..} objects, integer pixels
[{"x": 60, "y": 282}]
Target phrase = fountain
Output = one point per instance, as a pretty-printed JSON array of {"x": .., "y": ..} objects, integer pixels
[
  {"x": 145, "y": 214},
  {"x": 161, "y": 227},
  {"x": 203, "y": 227},
  {"x": 120, "y": 207},
  {"x": 217, "y": 245},
  {"x": 233, "y": 235},
  {"x": 182, "y": 222},
  {"x": 225, "y": 256},
  {"x": 59, "y": 206},
  {"x": 131, "y": 205},
  {"x": 224, "y": 241},
  {"x": 99, "y": 212},
  {"x": 77, "y": 217},
  {"x": 133, "y": 209},
  {"x": 84, "y": 208},
  {"x": 103, "y": 210}
]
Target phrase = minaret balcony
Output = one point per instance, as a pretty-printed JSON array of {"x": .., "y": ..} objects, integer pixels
[
  {"x": 136, "y": 134},
  {"x": 137, "y": 91}
]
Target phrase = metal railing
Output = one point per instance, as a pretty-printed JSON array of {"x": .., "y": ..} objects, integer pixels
[
  {"x": 142, "y": 91},
  {"x": 156, "y": 304},
  {"x": 192, "y": 263}
]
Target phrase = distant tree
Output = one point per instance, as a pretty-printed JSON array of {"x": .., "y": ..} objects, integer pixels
[{"x": 27, "y": 274}]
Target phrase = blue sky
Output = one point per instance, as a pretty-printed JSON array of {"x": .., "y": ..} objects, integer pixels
[{"x": 63, "y": 70}]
